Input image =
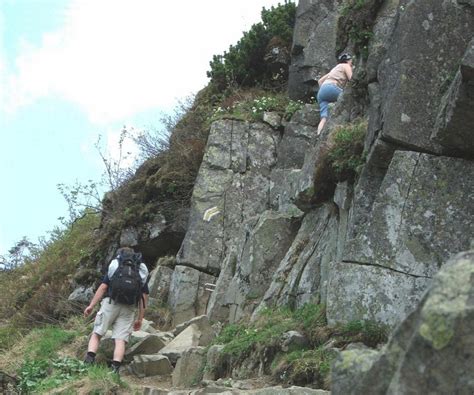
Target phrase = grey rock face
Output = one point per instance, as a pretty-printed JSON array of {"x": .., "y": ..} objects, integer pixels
[
  {"x": 232, "y": 183},
  {"x": 411, "y": 92},
  {"x": 456, "y": 119},
  {"x": 297, "y": 280},
  {"x": 297, "y": 137},
  {"x": 314, "y": 45},
  {"x": 432, "y": 351},
  {"x": 264, "y": 248},
  {"x": 159, "y": 283},
  {"x": 421, "y": 216},
  {"x": 188, "y": 296}
]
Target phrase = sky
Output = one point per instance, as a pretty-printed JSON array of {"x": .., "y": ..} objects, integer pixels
[{"x": 71, "y": 70}]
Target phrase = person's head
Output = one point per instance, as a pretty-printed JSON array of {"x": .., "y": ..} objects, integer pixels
[
  {"x": 344, "y": 58},
  {"x": 125, "y": 250}
]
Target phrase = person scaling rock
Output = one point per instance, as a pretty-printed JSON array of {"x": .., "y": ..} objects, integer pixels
[{"x": 331, "y": 85}]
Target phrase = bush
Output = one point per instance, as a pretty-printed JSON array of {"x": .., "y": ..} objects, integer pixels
[
  {"x": 244, "y": 63},
  {"x": 368, "y": 332},
  {"x": 303, "y": 367},
  {"x": 346, "y": 150}
]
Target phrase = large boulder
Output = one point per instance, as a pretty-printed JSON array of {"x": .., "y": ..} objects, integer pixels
[
  {"x": 189, "y": 369},
  {"x": 204, "y": 326},
  {"x": 151, "y": 344},
  {"x": 427, "y": 43},
  {"x": 189, "y": 338},
  {"x": 432, "y": 351},
  {"x": 421, "y": 216},
  {"x": 151, "y": 365}
]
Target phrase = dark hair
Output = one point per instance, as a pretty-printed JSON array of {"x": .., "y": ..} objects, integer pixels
[
  {"x": 126, "y": 250},
  {"x": 344, "y": 58}
]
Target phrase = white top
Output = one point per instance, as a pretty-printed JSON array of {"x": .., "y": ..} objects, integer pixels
[{"x": 114, "y": 265}]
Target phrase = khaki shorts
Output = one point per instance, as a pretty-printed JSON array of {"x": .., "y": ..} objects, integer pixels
[{"x": 118, "y": 316}]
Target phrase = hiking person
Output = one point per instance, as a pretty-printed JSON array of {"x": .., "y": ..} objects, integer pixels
[
  {"x": 126, "y": 294},
  {"x": 331, "y": 85}
]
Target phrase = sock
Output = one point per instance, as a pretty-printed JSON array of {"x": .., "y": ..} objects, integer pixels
[{"x": 91, "y": 354}]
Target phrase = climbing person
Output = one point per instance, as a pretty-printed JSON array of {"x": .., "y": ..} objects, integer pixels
[
  {"x": 126, "y": 294},
  {"x": 331, "y": 85}
]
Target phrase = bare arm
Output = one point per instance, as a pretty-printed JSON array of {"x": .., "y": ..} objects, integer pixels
[
  {"x": 141, "y": 312},
  {"x": 348, "y": 70},
  {"x": 99, "y": 294}
]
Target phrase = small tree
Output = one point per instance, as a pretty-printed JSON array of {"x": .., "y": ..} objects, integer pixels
[{"x": 22, "y": 252}]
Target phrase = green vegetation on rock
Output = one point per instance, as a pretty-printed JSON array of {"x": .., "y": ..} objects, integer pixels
[
  {"x": 300, "y": 365},
  {"x": 243, "y": 64},
  {"x": 345, "y": 152}
]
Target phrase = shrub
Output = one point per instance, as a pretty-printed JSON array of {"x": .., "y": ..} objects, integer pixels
[
  {"x": 368, "y": 332},
  {"x": 303, "y": 367},
  {"x": 345, "y": 154},
  {"x": 244, "y": 63},
  {"x": 356, "y": 24}
]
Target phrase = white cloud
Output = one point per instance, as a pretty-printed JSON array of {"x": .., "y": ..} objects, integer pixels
[{"x": 116, "y": 58}]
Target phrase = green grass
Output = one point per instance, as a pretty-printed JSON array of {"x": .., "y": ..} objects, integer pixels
[
  {"x": 300, "y": 365},
  {"x": 368, "y": 332},
  {"x": 47, "y": 341},
  {"x": 240, "y": 339},
  {"x": 65, "y": 375}
]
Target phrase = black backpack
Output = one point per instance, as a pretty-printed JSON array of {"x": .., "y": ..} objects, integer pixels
[{"x": 126, "y": 284}]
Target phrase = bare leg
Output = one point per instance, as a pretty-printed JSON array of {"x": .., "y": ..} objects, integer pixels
[
  {"x": 322, "y": 122},
  {"x": 119, "y": 350},
  {"x": 94, "y": 343}
]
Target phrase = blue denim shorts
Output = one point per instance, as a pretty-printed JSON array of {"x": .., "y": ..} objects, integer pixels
[{"x": 328, "y": 93}]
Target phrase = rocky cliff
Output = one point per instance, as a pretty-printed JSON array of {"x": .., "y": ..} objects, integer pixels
[
  {"x": 371, "y": 248},
  {"x": 265, "y": 228}
]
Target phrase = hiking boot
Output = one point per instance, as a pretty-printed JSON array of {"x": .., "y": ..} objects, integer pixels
[
  {"x": 115, "y": 370},
  {"x": 89, "y": 360}
]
